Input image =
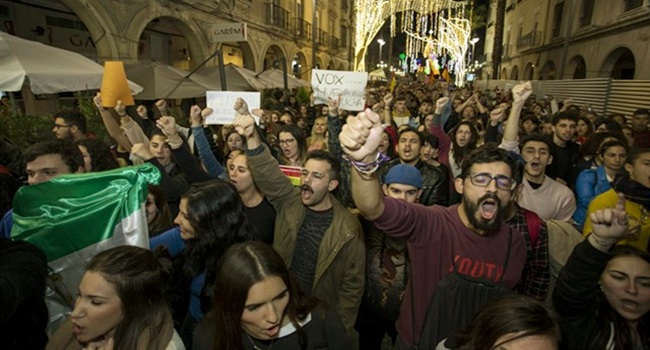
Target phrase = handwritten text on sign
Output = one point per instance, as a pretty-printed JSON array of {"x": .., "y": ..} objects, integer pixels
[
  {"x": 350, "y": 86},
  {"x": 222, "y": 103}
]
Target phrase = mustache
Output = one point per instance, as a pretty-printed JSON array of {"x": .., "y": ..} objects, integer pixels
[
  {"x": 492, "y": 197},
  {"x": 307, "y": 187}
]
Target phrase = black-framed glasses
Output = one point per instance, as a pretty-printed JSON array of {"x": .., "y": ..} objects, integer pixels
[
  {"x": 484, "y": 179},
  {"x": 287, "y": 142}
]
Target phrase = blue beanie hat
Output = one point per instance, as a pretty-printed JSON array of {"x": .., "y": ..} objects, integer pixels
[{"x": 404, "y": 174}]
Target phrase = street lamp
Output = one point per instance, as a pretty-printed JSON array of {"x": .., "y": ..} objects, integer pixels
[
  {"x": 473, "y": 41},
  {"x": 381, "y": 43}
]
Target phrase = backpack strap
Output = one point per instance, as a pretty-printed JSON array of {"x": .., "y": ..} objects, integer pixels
[{"x": 534, "y": 224}]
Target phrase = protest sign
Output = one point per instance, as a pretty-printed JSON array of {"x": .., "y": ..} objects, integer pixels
[
  {"x": 350, "y": 86},
  {"x": 222, "y": 103}
]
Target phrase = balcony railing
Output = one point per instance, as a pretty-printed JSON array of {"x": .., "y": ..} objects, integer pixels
[
  {"x": 322, "y": 37},
  {"x": 334, "y": 42},
  {"x": 303, "y": 29},
  {"x": 277, "y": 16},
  {"x": 529, "y": 40}
]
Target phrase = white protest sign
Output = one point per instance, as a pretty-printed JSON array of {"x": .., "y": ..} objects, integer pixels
[
  {"x": 222, "y": 103},
  {"x": 350, "y": 86}
]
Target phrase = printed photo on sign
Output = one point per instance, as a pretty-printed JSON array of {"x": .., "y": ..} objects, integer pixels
[
  {"x": 350, "y": 86},
  {"x": 222, "y": 103}
]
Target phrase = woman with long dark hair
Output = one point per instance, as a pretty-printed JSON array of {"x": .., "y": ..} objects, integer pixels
[
  {"x": 122, "y": 302},
  {"x": 603, "y": 291},
  {"x": 257, "y": 305},
  {"x": 293, "y": 144},
  {"x": 513, "y": 322},
  {"x": 211, "y": 218}
]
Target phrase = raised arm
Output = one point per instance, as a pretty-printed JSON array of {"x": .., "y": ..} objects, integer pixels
[
  {"x": 576, "y": 287},
  {"x": 184, "y": 159},
  {"x": 510, "y": 133},
  {"x": 208, "y": 159},
  {"x": 360, "y": 139},
  {"x": 265, "y": 169},
  {"x": 111, "y": 124}
]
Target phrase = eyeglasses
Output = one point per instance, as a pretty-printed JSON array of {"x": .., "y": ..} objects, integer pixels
[
  {"x": 484, "y": 180},
  {"x": 287, "y": 142},
  {"x": 61, "y": 126}
]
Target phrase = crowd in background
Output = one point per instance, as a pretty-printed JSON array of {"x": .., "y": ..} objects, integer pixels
[{"x": 543, "y": 199}]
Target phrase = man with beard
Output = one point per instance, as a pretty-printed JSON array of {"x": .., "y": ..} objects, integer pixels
[
  {"x": 69, "y": 125},
  {"x": 436, "y": 188},
  {"x": 466, "y": 246},
  {"x": 317, "y": 237}
]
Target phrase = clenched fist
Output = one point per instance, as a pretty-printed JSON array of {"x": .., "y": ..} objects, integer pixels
[{"x": 361, "y": 135}]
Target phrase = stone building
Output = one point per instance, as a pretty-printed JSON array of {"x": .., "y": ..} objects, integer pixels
[
  {"x": 572, "y": 39},
  {"x": 182, "y": 32}
]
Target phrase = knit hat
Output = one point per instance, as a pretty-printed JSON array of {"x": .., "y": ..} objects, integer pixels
[{"x": 404, "y": 174}]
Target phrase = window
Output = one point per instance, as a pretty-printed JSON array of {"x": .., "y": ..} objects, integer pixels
[
  {"x": 557, "y": 19},
  {"x": 632, "y": 4},
  {"x": 299, "y": 11},
  {"x": 344, "y": 36},
  {"x": 586, "y": 12}
]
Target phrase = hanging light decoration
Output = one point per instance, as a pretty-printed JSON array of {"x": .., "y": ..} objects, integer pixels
[{"x": 434, "y": 28}]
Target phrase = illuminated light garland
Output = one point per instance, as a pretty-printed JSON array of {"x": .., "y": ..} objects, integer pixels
[
  {"x": 424, "y": 23},
  {"x": 370, "y": 17}
]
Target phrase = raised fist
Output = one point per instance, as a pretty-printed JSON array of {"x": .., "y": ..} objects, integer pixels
[
  {"x": 161, "y": 105},
  {"x": 441, "y": 103},
  {"x": 244, "y": 125},
  {"x": 97, "y": 100},
  {"x": 142, "y": 111},
  {"x": 120, "y": 108},
  {"x": 361, "y": 135},
  {"x": 521, "y": 92},
  {"x": 167, "y": 125},
  {"x": 195, "y": 116},
  {"x": 388, "y": 99},
  {"x": 241, "y": 106}
]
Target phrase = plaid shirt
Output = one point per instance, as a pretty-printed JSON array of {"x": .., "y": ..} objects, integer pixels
[{"x": 536, "y": 275}]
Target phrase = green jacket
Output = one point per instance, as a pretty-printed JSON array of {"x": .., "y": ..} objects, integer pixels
[{"x": 340, "y": 269}]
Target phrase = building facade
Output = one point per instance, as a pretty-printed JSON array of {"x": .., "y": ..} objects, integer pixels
[
  {"x": 572, "y": 39},
  {"x": 184, "y": 34}
]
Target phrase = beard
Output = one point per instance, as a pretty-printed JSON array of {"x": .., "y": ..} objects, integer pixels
[{"x": 473, "y": 212}]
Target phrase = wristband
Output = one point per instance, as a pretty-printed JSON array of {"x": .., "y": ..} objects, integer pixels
[
  {"x": 603, "y": 242},
  {"x": 369, "y": 168}
]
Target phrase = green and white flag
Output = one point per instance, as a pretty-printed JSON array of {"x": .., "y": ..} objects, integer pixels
[{"x": 74, "y": 217}]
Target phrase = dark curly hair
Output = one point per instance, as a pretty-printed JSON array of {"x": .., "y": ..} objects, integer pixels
[{"x": 101, "y": 156}]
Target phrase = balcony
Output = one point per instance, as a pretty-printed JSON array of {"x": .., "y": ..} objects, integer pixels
[
  {"x": 322, "y": 38},
  {"x": 277, "y": 16},
  {"x": 334, "y": 42},
  {"x": 303, "y": 30},
  {"x": 530, "y": 40}
]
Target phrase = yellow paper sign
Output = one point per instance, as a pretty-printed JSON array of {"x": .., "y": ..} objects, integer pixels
[{"x": 114, "y": 85}]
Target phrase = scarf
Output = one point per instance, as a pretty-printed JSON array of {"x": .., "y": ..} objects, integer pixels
[{"x": 633, "y": 191}]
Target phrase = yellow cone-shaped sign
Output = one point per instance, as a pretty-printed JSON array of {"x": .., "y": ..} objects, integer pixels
[{"x": 114, "y": 85}]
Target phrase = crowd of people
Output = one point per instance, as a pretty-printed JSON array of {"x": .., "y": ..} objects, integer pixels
[{"x": 437, "y": 218}]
